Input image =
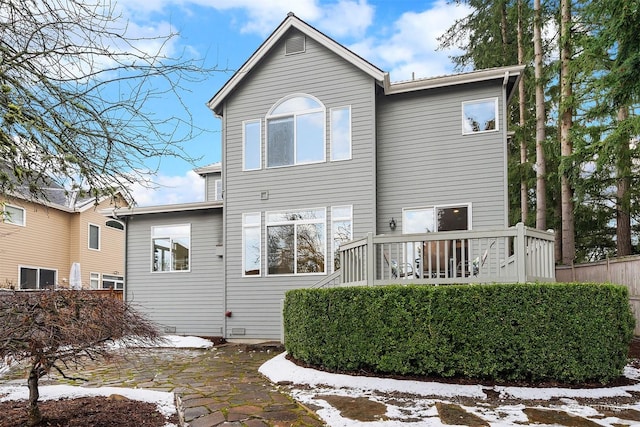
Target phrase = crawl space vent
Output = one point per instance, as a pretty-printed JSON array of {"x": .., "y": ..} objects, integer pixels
[{"x": 295, "y": 44}]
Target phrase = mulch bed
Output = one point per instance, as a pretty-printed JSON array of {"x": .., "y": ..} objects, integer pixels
[{"x": 86, "y": 412}]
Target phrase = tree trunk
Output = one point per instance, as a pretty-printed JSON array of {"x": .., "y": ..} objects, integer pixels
[
  {"x": 503, "y": 31},
  {"x": 541, "y": 189},
  {"x": 524, "y": 199},
  {"x": 623, "y": 191},
  {"x": 32, "y": 408},
  {"x": 566, "y": 145}
]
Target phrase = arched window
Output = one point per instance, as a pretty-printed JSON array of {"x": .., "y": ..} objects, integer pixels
[
  {"x": 112, "y": 223},
  {"x": 295, "y": 131}
]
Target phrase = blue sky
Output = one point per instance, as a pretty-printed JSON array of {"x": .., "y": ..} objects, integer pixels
[{"x": 397, "y": 36}]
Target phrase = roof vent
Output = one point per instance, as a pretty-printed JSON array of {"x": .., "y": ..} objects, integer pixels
[{"x": 295, "y": 44}]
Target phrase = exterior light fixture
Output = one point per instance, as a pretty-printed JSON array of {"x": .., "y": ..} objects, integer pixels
[{"x": 392, "y": 224}]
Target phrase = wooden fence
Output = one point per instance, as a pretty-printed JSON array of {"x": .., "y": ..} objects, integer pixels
[
  {"x": 622, "y": 271},
  {"x": 113, "y": 293}
]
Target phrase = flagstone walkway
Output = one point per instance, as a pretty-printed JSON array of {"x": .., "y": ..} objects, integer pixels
[{"x": 218, "y": 386}]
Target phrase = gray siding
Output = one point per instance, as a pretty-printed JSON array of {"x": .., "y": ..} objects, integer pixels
[
  {"x": 192, "y": 302},
  {"x": 424, "y": 160},
  {"x": 210, "y": 186},
  {"x": 255, "y": 302}
]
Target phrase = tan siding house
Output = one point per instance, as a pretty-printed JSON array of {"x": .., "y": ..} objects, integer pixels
[{"x": 39, "y": 242}]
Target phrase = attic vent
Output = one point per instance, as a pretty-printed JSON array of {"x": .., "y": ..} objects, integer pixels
[{"x": 295, "y": 44}]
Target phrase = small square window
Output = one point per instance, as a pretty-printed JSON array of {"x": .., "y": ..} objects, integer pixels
[
  {"x": 12, "y": 215},
  {"x": 480, "y": 116}
]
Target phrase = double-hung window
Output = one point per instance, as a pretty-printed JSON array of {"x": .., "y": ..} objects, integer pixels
[
  {"x": 296, "y": 132},
  {"x": 296, "y": 241},
  {"x": 479, "y": 116},
  {"x": 171, "y": 247},
  {"x": 12, "y": 215},
  {"x": 251, "y": 254}
]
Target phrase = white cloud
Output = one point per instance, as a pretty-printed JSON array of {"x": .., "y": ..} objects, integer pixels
[
  {"x": 411, "y": 48},
  {"x": 169, "y": 190}
]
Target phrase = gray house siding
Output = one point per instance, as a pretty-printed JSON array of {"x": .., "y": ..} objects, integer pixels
[
  {"x": 210, "y": 185},
  {"x": 255, "y": 301},
  {"x": 425, "y": 160},
  {"x": 180, "y": 302}
]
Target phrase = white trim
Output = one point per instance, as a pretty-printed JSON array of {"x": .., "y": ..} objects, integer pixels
[
  {"x": 481, "y": 101},
  {"x": 32, "y": 267},
  {"x": 6, "y": 218},
  {"x": 89, "y": 225},
  {"x": 97, "y": 277},
  {"x": 295, "y": 223},
  {"x": 331, "y": 143},
  {"x": 341, "y": 219},
  {"x": 434, "y": 209},
  {"x": 217, "y": 193},
  {"x": 244, "y": 144},
  {"x": 115, "y": 278},
  {"x": 170, "y": 237},
  {"x": 292, "y": 22},
  {"x": 250, "y": 226},
  {"x": 294, "y": 115}
]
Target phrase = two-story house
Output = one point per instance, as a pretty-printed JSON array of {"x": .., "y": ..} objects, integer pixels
[
  {"x": 42, "y": 238},
  {"x": 318, "y": 147}
]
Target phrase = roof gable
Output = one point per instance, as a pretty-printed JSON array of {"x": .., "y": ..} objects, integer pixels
[{"x": 292, "y": 21}]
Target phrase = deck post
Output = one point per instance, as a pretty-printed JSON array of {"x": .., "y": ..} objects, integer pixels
[
  {"x": 371, "y": 256},
  {"x": 521, "y": 253}
]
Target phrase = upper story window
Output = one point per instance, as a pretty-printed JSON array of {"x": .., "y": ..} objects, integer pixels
[
  {"x": 479, "y": 116},
  {"x": 171, "y": 247},
  {"x": 94, "y": 237},
  {"x": 341, "y": 133},
  {"x": 251, "y": 145},
  {"x": 113, "y": 223},
  {"x": 296, "y": 132},
  {"x": 12, "y": 215}
]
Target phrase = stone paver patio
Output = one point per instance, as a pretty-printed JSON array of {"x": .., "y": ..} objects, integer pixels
[{"x": 217, "y": 386}]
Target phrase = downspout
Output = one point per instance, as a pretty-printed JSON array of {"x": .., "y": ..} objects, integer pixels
[{"x": 505, "y": 82}]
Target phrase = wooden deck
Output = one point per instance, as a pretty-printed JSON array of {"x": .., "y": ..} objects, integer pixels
[{"x": 514, "y": 255}]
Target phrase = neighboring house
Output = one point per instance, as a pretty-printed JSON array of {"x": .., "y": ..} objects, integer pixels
[
  {"x": 318, "y": 148},
  {"x": 41, "y": 240}
]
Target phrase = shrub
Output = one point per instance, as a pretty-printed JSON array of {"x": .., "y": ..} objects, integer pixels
[{"x": 533, "y": 332}]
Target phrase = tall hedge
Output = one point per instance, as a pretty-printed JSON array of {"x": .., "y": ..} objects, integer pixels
[{"x": 564, "y": 332}]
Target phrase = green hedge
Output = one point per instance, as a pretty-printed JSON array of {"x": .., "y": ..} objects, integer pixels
[{"x": 533, "y": 332}]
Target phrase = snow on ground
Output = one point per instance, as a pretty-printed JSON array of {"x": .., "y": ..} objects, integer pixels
[{"x": 413, "y": 402}]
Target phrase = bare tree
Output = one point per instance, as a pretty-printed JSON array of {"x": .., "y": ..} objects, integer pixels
[
  {"x": 56, "y": 329},
  {"x": 75, "y": 93}
]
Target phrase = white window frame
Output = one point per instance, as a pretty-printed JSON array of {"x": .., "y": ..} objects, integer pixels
[
  {"x": 170, "y": 237},
  {"x": 38, "y": 269},
  {"x": 218, "y": 189},
  {"x": 118, "y": 281},
  {"x": 333, "y": 142},
  {"x": 89, "y": 236},
  {"x": 94, "y": 281},
  {"x": 480, "y": 101},
  {"x": 295, "y": 223},
  {"x": 334, "y": 219},
  {"x": 434, "y": 210},
  {"x": 294, "y": 115},
  {"x": 7, "y": 216},
  {"x": 244, "y": 144},
  {"x": 245, "y": 227}
]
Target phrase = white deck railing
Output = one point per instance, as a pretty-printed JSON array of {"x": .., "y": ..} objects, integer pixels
[{"x": 517, "y": 255}]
